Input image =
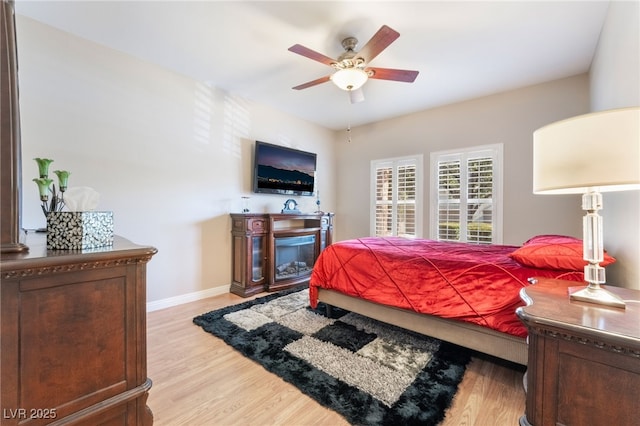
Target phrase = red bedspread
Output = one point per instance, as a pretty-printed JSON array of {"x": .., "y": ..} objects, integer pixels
[{"x": 479, "y": 284}]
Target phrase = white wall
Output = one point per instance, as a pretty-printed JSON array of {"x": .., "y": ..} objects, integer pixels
[
  {"x": 508, "y": 118},
  {"x": 615, "y": 83},
  {"x": 170, "y": 156}
]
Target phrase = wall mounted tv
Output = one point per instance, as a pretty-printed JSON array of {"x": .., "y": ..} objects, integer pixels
[{"x": 281, "y": 170}]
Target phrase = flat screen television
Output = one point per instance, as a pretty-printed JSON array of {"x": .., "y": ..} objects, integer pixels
[{"x": 281, "y": 170}]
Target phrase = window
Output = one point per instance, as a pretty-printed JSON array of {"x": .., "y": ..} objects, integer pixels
[
  {"x": 466, "y": 193},
  {"x": 397, "y": 197}
]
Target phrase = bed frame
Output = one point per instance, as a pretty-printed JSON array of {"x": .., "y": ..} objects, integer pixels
[{"x": 468, "y": 335}]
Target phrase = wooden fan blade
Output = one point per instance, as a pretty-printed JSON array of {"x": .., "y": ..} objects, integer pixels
[
  {"x": 312, "y": 83},
  {"x": 390, "y": 74},
  {"x": 312, "y": 54},
  {"x": 380, "y": 41}
]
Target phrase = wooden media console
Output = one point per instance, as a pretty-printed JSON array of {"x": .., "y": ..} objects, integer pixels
[{"x": 273, "y": 252}]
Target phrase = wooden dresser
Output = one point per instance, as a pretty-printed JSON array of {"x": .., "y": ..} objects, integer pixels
[
  {"x": 73, "y": 342},
  {"x": 584, "y": 359}
]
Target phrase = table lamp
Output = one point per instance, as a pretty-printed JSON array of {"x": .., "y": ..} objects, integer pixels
[{"x": 590, "y": 154}]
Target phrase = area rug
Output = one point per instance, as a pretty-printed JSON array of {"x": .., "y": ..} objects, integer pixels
[{"x": 370, "y": 372}]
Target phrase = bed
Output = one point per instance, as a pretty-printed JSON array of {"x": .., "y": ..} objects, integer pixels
[{"x": 463, "y": 293}]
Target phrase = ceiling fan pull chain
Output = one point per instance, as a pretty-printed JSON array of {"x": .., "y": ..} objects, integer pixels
[{"x": 349, "y": 122}]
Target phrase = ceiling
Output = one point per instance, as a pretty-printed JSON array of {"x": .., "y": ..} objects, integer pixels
[{"x": 463, "y": 50}]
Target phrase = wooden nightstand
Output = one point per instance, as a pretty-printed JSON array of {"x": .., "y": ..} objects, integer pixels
[{"x": 584, "y": 359}]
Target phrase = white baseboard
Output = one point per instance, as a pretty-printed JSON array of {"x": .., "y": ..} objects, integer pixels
[{"x": 186, "y": 298}]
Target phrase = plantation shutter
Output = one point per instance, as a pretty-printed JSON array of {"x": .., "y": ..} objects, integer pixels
[
  {"x": 384, "y": 200},
  {"x": 406, "y": 202},
  {"x": 396, "y": 197},
  {"x": 466, "y": 184},
  {"x": 480, "y": 200},
  {"x": 449, "y": 200}
]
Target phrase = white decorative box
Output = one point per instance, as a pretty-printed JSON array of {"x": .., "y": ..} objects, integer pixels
[{"x": 79, "y": 230}]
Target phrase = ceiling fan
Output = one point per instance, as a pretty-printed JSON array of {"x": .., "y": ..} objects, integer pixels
[{"x": 352, "y": 68}]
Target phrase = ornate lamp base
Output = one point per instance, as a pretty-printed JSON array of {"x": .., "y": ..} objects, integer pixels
[{"x": 597, "y": 295}]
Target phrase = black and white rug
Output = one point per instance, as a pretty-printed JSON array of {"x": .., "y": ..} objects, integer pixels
[{"x": 369, "y": 372}]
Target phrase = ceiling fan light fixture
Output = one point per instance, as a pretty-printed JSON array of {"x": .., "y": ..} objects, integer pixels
[{"x": 349, "y": 78}]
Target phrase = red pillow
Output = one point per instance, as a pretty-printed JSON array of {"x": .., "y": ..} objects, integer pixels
[{"x": 554, "y": 252}]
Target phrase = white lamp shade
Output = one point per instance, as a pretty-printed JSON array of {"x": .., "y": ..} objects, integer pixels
[
  {"x": 599, "y": 150},
  {"x": 349, "y": 78}
]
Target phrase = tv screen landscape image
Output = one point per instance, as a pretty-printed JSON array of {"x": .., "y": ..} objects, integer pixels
[{"x": 282, "y": 170}]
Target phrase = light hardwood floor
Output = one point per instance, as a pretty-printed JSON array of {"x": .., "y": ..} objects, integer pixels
[{"x": 198, "y": 380}]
